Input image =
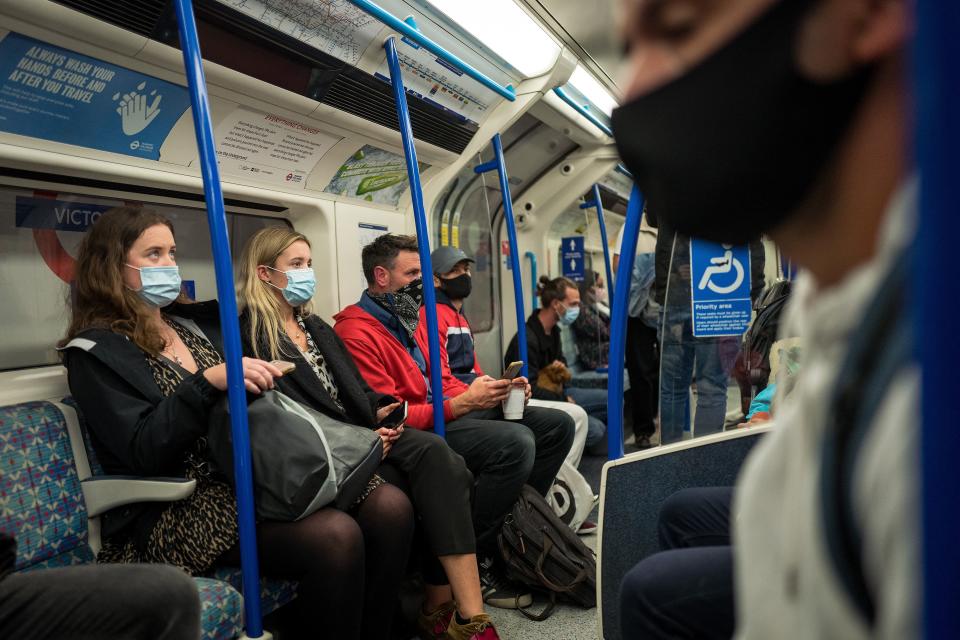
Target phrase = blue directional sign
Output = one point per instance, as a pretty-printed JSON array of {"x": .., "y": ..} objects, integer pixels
[
  {"x": 719, "y": 288},
  {"x": 571, "y": 249}
]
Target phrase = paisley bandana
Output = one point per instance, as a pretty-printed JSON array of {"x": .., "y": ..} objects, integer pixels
[{"x": 404, "y": 303}]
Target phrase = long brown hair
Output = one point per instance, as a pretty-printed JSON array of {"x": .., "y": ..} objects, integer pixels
[
  {"x": 255, "y": 296},
  {"x": 100, "y": 298}
]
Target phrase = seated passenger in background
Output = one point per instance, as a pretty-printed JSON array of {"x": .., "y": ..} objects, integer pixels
[
  {"x": 559, "y": 305},
  {"x": 276, "y": 283},
  {"x": 591, "y": 329},
  {"x": 146, "y": 375},
  {"x": 380, "y": 331},
  {"x": 145, "y": 601},
  {"x": 453, "y": 282},
  {"x": 825, "y": 515}
]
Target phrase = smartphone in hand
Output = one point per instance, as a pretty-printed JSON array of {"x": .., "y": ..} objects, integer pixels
[
  {"x": 284, "y": 366},
  {"x": 513, "y": 370},
  {"x": 396, "y": 417}
]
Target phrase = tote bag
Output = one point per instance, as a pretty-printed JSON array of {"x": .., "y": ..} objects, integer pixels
[{"x": 303, "y": 460}]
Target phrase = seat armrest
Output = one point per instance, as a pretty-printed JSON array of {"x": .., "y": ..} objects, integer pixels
[{"x": 102, "y": 493}]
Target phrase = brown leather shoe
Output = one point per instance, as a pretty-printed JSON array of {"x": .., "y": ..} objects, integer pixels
[{"x": 433, "y": 626}]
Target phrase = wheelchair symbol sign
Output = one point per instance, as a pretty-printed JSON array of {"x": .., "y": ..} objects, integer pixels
[
  {"x": 720, "y": 288},
  {"x": 719, "y": 266}
]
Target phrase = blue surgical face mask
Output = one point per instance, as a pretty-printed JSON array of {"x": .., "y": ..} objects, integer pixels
[
  {"x": 301, "y": 283},
  {"x": 569, "y": 315},
  {"x": 159, "y": 286}
]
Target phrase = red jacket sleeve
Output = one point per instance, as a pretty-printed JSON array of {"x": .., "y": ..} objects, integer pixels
[{"x": 373, "y": 368}]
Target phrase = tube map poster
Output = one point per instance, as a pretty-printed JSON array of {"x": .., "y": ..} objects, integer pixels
[{"x": 374, "y": 175}]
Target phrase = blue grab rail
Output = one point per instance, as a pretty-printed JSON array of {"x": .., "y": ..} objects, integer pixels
[
  {"x": 936, "y": 55},
  {"x": 532, "y": 257},
  {"x": 582, "y": 110},
  {"x": 229, "y": 324},
  {"x": 411, "y": 33},
  {"x": 423, "y": 234},
  {"x": 598, "y": 204},
  {"x": 618, "y": 325},
  {"x": 500, "y": 165}
]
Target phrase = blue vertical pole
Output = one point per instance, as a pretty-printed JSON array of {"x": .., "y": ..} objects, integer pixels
[
  {"x": 603, "y": 237},
  {"x": 514, "y": 250},
  {"x": 223, "y": 267},
  {"x": 532, "y": 257},
  {"x": 500, "y": 165},
  {"x": 618, "y": 325},
  {"x": 423, "y": 236},
  {"x": 937, "y": 55}
]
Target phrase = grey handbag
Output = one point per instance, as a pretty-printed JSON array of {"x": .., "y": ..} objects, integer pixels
[{"x": 303, "y": 460}]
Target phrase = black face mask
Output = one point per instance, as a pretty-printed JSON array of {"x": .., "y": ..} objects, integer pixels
[
  {"x": 457, "y": 288},
  {"x": 730, "y": 149},
  {"x": 404, "y": 303}
]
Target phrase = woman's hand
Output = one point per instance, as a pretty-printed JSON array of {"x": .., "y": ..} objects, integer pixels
[
  {"x": 258, "y": 375},
  {"x": 389, "y": 436},
  {"x": 383, "y": 412}
]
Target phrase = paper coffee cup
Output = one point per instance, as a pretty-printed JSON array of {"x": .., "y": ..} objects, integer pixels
[{"x": 513, "y": 405}]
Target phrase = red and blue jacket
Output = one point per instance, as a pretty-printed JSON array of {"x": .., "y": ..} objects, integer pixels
[{"x": 456, "y": 342}]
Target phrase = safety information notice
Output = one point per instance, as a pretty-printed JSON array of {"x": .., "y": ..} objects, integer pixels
[
  {"x": 719, "y": 288},
  {"x": 270, "y": 148}
]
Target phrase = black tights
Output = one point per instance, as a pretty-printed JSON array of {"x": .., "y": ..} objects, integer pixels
[{"x": 349, "y": 567}]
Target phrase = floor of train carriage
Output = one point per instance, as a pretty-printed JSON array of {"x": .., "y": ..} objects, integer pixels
[{"x": 570, "y": 622}]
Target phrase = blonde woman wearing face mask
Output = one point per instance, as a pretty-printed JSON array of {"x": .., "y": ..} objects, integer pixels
[{"x": 276, "y": 284}]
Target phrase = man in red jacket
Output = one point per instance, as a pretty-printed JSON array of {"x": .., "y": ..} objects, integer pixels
[{"x": 380, "y": 331}]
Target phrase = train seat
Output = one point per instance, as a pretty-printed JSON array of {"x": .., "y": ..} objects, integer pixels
[
  {"x": 632, "y": 490},
  {"x": 50, "y": 500}
]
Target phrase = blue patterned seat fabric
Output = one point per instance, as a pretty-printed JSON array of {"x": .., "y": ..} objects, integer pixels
[{"x": 41, "y": 505}]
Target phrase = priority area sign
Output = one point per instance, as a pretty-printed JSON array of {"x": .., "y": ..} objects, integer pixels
[
  {"x": 571, "y": 249},
  {"x": 719, "y": 288}
]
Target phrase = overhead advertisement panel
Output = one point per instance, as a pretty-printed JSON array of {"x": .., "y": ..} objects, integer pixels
[
  {"x": 436, "y": 81},
  {"x": 56, "y": 94},
  {"x": 374, "y": 175},
  {"x": 335, "y": 27}
]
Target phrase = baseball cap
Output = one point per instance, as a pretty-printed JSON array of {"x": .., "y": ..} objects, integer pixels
[{"x": 444, "y": 259}]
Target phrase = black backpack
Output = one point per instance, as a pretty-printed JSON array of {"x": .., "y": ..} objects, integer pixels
[{"x": 544, "y": 553}]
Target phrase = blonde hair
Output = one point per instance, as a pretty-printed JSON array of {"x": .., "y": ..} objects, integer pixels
[{"x": 256, "y": 298}]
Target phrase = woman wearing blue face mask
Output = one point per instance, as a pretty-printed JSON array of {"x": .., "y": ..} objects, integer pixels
[
  {"x": 547, "y": 368},
  {"x": 146, "y": 368},
  {"x": 276, "y": 284}
]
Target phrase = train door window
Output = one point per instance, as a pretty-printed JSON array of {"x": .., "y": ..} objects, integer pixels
[
  {"x": 705, "y": 374},
  {"x": 40, "y": 232}
]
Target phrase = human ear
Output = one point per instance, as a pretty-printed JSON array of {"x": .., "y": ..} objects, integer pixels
[{"x": 885, "y": 30}]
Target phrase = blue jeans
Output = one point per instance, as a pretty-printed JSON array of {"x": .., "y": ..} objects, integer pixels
[
  {"x": 594, "y": 402},
  {"x": 681, "y": 356}
]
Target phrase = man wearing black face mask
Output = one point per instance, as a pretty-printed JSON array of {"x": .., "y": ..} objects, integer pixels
[
  {"x": 381, "y": 333},
  {"x": 790, "y": 117}
]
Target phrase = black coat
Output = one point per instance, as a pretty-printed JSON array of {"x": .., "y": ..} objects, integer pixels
[
  {"x": 542, "y": 349},
  {"x": 360, "y": 402},
  {"x": 133, "y": 428}
]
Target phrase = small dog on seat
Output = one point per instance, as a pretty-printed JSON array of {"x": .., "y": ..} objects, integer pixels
[{"x": 553, "y": 376}]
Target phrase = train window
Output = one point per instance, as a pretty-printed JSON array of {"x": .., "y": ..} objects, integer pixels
[
  {"x": 465, "y": 212},
  {"x": 40, "y": 232}
]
